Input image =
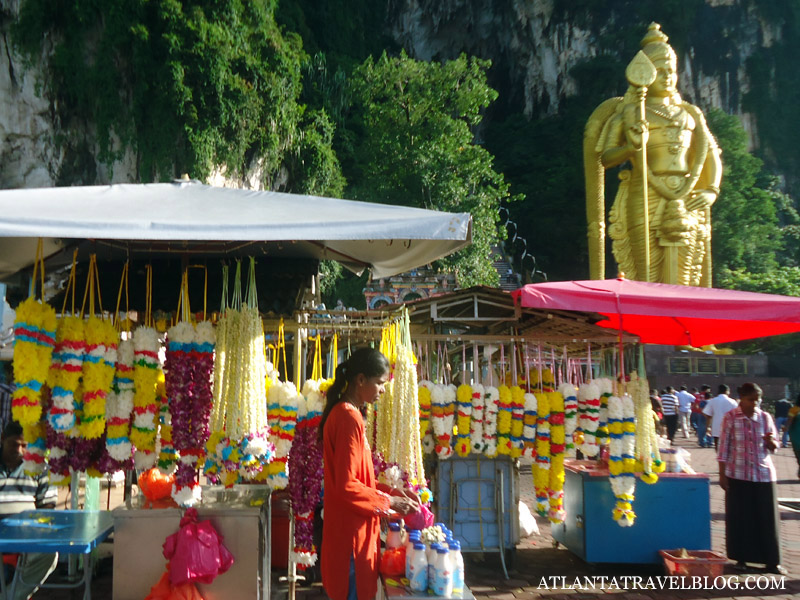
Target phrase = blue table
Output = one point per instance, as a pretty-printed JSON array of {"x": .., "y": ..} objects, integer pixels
[{"x": 50, "y": 531}]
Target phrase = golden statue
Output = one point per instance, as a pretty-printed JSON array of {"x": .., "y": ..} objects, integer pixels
[{"x": 660, "y": 223}]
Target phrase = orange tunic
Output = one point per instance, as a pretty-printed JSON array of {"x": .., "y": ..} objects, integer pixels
[{"x": 351, "y": 524}]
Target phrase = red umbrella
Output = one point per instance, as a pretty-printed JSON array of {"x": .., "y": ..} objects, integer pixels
[{"x": 670, "y": 314}]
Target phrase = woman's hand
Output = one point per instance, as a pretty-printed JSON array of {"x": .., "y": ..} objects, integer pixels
[
  {"x": 403, "y": 505},
  {"x": 406, "y": 492}
]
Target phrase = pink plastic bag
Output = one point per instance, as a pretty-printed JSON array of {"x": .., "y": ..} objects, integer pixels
[
  {"x": 196, "y": 552},
  {"x": 419, "y": 520}
]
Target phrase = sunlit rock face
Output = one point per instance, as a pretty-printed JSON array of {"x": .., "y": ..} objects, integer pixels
[{"x": 534, "y": 44}]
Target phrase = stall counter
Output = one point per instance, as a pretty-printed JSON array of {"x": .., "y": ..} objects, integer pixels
[
  {"x": 241, "y": 515},
  {"x": 672, "y": 513}
]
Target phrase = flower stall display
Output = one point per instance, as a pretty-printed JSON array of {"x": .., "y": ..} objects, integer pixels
[
  {"x": 394, "y": 421},
  {"x": 237, "y": 406}
]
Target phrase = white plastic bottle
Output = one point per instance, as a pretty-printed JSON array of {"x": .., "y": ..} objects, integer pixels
[
  {"x": 418, "y": 569},
  {"x": 443, "y": 574},
  {"x": 393, "y": 539},
  {"x": 411, "y": 540},
  {"x": 430, "y": 555},
  {"x": 457, "y": 561}
]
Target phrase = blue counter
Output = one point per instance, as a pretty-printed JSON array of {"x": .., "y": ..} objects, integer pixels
[{"x": 672, "y": 513}]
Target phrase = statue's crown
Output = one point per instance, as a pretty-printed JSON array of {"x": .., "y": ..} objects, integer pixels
[{"x": 654, "y": 35}]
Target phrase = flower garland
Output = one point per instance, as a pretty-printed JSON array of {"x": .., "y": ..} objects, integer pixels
[
  {"x": 517, "y": 420},
  {"x": 168, "y": 457},
  {"x": 589, "y": 399},
  {"x": 505, "y": 409},
  {"x": 146, "y": 373},
  {"x": 33, "y": 457},
  {"x": 541, "y": 468},
  {"x": 646, "y": 446},
  {"x": 289, "y": 401},
  {"x": 34, "y": 340},
  {"x": 477, "y": 443},
  {"x": 424, "y": 395},
  {"x": 464, "y": 412},
  {"x": 99, "y": 365},
  {"x": 442, "y": 414},
  {"x": 64, "y": 380},
  {"x": 569, "y": 393},
  {"x": 306, "y": 474},
  {"x": 529, "y": 426},
  {"x": 189, "y": 364},
  {"x": 491, "y": 410},
  {"x": 621, "y": 457},
  {"x": 119, "y": 408},
  {"x": 555, "y": 492},
  {"x": 606, "y": 389}
]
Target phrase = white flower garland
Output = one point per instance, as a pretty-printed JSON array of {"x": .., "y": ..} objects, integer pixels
[
  {"x": 570, "y": 416},
  {"x": 491, "y": 409},
  {"x": 529, "y": 429},
  {"x": 476, "y": 439},
  {"x": 589, "y": 399},
  {"x": 442, "y": 415},
  {"x": 120, "y": 404},
  {"x": 646, "y": 448},
  {"x": 621, "y": 460}
]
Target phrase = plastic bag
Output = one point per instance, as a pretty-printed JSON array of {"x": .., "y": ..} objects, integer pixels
[
  {"x": 196, "y": 552},
  {"x": 527, "y": 523},
  {"x": 164, "y": 591},
  {"x": 419, "y": 520}
]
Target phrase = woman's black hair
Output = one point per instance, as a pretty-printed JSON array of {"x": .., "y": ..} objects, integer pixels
[{"x": 364, "y": 361}]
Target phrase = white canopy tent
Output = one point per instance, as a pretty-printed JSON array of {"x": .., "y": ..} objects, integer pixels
[{"x": 191, "y": 218}]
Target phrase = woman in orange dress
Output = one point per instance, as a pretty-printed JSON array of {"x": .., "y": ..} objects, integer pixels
[{"x": 353, "y": 502}]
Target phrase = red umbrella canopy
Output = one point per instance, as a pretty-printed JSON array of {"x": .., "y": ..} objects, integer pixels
[{"x": 670, "y": 314}]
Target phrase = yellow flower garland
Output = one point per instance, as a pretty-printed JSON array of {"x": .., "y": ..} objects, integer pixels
[
  {"x": 463, "y": 415},
  {"x": 541, "y": 468},
  {"x": 424, "y": 395},
  {"x": 557, "y": 447},
  {"x": 35, "y": 332},
  {"x": 504, "y": 421},
  {"x": 146, "y": 374},
  {"x": 98, "y": 373}
]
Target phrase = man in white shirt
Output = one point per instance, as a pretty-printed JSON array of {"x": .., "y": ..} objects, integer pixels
[
  {"x": 716, "y": 409},
  {"x": 685, "y": 399}
]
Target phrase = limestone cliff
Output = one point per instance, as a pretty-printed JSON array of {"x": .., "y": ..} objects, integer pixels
[{"x": 534, "y": 44}]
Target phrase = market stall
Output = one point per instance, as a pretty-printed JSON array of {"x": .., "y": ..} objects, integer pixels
[
  {"x": 660, "y": 314},
  {"x": 101, "y": 390}
]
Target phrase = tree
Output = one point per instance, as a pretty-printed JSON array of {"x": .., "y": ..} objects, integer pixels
[
  {"x": 188, "y": 87},
  {"x": 416, "y": 147}
]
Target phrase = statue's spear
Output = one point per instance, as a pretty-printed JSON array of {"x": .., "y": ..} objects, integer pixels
[{"x": 641, "y": 73}]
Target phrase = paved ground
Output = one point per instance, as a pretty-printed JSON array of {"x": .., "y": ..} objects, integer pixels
[{"x": 537, "y": 559}]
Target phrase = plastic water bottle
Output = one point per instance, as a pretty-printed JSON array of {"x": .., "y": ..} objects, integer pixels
[
  {"x": 443, "y": 574},
  {"x": 418, "y": 569},
  {"x": 393, "y": 537},
  {"x": 457, "y": 561},
  {"x": 430, "y": 555},
  {"x": 411, "y": 540}
]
